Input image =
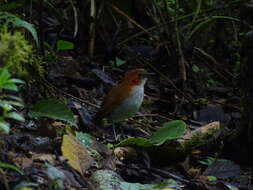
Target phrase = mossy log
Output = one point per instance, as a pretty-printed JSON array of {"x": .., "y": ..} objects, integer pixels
[{"x": 174, "y": 150}]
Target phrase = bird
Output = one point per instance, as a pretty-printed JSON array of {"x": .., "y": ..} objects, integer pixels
[{"x": 124, "y": 100}]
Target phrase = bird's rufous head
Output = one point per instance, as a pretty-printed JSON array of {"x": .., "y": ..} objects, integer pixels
[{"x": 135, "y": 77}]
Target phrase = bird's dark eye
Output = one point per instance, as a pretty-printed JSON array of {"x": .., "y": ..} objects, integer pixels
[{"x": 141, "y": 75}]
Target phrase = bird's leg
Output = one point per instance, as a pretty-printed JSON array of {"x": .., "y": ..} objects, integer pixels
[
  {"x": 116, "y": 136},
  {"x": 114, "y": 132},
  {"x": 122, "y": 132}
]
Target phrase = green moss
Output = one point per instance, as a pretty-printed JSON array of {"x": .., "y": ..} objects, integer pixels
[
  {"x": 198, "y": 140},
  {"x": 14, "y": 50},
  {"x": 35, "y": 67}
]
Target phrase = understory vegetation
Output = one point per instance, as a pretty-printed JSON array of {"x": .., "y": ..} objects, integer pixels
[{"x": 59, "y": 59}]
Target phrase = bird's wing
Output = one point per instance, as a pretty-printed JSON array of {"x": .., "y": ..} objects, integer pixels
[{"x": 115, "y": 97}]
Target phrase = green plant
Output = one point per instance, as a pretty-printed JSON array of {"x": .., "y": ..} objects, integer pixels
[
  {"x": 9, "y": 166},
  {"x": 35, "y": 69},
  {"x": 14, "y": 50},
  {"x": 211, "y": 160},
  {"x": 10, "y": 20},
  {"x": 54, "y": 109},
  {"x": 8, "y": 102}
]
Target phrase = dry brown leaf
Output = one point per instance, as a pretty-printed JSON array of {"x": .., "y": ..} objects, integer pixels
[
  {"x": 45, "y": 157},
  {"x": 19, "y": 160},
  {"x": 76, "y": 153}
]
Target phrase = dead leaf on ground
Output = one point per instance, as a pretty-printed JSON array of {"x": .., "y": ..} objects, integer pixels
[
  {"x": 45, "y": 157},
  {"x": 76, "y": 153},
  {"x": 223, "y": 170},
  {"x": 20, "y": 161}
]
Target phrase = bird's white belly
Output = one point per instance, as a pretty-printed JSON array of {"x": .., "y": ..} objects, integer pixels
[{"x": 129, "y": 106}]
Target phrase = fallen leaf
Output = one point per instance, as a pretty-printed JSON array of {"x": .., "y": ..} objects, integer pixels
[
  {"x": 76, "y": 153},
  {"x": 223, "y": 170},
  {"x": 20, "y": 161},
  {"x": 50, "y": 158}
]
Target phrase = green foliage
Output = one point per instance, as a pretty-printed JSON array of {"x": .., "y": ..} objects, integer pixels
[
  {"x": 119, "y": 62},
  {"x": 195, "y": 68},
  {"x": 16, "y": 55},
  {"x": 10, "y": 20},
  {"x": 64, "y": 45},
  {"x": 211, "y": 179},
  {"x": 8, "y": 6},
  {"x": 6, "y": 82},
  {"x": 34, "y": 68},
  {"x": 86, "y": 139},
  {"x": 8, "y": 166},
  {"x": 14, "y": 49},
  {"x": 8, "y": 102},
  {"x": 54, "y": 109},
  {"x": 211, "y": 160},
  {"x": 136, "y": 142},
  {"x": 171, "y": 130}
]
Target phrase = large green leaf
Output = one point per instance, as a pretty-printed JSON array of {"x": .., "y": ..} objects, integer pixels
[
  {"x": 54, "y": 109},
  {"x": 171, "y": 130}
]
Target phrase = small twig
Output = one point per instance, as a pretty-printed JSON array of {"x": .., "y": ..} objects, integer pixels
[
  {"x": 212, "y": 68},
  {"x": 79, "y": 99},
  {"x": 148, "y": 62},
  {"x": 169, "y": 174},
  {"x": 92, "y": 27},
  {"x": 4, "y": 179},
  {"x": 152, "y": 115},
  {"x": 70, "y": 95},
  {"x": 160, "y": 172},
  {"x": 179, "y": 46},
  {"x": 100, "y": 9},
  {"x": 228, "y": 105},
  {"x": 143, "y": 131},
  {"x": 156, "y": 27},
  {"x": 75, "y": 18},
  {"x": 131, "y": 20},
  {"x": 214, "y": 61},
  {"x": 41, "y": 36},
  {"x": 167, "y": 79}
]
